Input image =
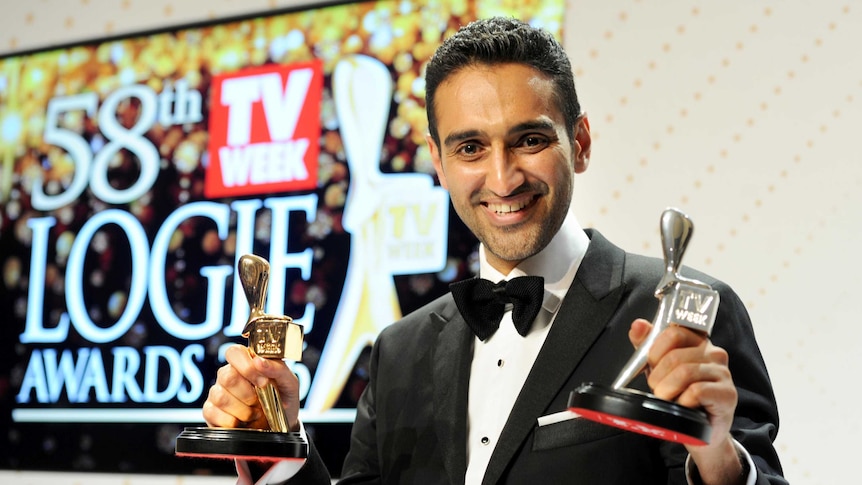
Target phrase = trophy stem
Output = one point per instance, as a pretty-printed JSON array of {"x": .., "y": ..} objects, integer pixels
[
  {"x": 638, "y": 361},
  {"x": 270, "y": 401}
]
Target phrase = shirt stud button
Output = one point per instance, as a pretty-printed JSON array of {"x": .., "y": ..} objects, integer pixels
[
  {"x": 500, "y": 363},
  {"x": 485, "y": 440}
]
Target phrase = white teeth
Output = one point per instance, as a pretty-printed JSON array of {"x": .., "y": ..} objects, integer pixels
[{"x": 506, "y": 208}]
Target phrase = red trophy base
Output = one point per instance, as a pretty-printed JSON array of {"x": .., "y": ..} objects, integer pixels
[
  {"x": 250, "y": 444},
  {"x": 642, "y": 413}
]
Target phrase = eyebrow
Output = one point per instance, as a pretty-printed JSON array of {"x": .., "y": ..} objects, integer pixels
[
  {"x": 459, "y": 136},
  {"x": 532, "y": 125}
]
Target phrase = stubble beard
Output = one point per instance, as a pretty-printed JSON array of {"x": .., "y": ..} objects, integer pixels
[
  {"x": 514, "y": 244},
  {"x": 521, "y": 241}
]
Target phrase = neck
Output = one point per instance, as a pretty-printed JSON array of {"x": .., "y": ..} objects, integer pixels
[{"x": 503, "y": 266}]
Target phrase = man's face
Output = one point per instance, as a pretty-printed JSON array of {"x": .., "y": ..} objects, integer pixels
[{"x": 505, "y": 157}]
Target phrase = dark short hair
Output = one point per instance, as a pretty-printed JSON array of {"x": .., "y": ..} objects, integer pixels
[{"x": 500, "y": 40}]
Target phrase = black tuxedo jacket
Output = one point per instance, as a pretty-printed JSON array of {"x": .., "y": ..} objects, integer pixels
[{"x": 411, "y": 422}]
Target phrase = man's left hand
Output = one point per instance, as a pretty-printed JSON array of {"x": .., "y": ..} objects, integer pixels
[{"x": 684, "y": 366}]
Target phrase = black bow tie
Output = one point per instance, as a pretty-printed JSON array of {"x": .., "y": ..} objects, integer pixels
[{"x": 483, "y": 303}]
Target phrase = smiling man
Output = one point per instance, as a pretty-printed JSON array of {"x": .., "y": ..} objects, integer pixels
[
  {"x": 506, "y": 157},
  {"x": 473, "y": 387}
]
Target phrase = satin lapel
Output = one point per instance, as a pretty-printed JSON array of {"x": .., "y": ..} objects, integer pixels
[
  {"x": 586, "y": 309},
  {"x": 452, "y": 354}
]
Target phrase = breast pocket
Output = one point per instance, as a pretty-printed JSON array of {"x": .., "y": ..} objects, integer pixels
[{"x": 571, "y": 432}]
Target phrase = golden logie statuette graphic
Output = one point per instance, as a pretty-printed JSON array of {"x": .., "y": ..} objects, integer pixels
[{"x": 270, "y": 337}]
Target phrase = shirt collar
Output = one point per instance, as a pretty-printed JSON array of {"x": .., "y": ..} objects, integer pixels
[{"x": 557, "y": 263}]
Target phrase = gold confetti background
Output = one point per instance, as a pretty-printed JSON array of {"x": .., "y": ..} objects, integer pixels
[{"x": 743, "y": 114}]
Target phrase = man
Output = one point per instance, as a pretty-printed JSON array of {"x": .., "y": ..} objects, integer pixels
[{"x": 445, "y": 405}]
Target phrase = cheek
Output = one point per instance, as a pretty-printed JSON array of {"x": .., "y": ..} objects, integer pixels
[
  {"x": 565, "y": 163},
  {"x": 457, "y": 192},
  {"x": 563, "y": 178},
  {"x": 463, "y": 181},
  {"x": 444, "y": 182}
]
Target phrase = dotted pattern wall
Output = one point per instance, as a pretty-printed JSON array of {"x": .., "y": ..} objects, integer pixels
[{"x": 743, "y": 114}]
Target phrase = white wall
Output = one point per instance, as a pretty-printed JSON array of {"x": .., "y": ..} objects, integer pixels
[{"x": 744, "y": 114}]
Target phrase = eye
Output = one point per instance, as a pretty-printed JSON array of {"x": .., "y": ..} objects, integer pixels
[
  {"x": 533, "y": 142},
  {"x": 469, "y": 149}
]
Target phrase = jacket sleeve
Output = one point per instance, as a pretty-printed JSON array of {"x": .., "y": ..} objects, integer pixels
[
  {"x": 362, "y": 464},
  {"x": 314, "y": 472},
  {"x": 310, "y": 472}
]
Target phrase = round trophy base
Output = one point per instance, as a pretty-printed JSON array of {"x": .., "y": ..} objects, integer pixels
[
  {"x": 642, "y": 413},
  {"x": 232, "y": 443}
]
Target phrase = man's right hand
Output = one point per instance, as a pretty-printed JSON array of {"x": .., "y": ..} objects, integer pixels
[{"x": 232, "y": 401}]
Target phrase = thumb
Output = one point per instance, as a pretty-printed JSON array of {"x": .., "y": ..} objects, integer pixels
[
  {"x": 639, "y": 331},
  {"x": 278, "y": 371},
  {"x": 287, "y": 384}
]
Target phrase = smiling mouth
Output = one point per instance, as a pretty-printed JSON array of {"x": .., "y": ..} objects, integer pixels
[{"x": 510, "y": 207}]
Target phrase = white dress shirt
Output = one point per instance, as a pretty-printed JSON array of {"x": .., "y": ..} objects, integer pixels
[{"x": 502, "y": 362}]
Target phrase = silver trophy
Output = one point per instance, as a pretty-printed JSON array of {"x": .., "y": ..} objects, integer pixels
[
  {"x": 684, "y": 302},
  {"x": 270, "y": 337}
]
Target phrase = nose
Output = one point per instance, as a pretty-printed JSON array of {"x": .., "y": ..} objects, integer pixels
[{"x": 504, "y": 174}]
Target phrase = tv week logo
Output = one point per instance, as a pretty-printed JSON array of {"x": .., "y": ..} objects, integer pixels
[{"x": 264, "y": 127}]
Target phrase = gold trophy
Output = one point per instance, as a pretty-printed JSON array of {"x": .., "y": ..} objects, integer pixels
[
  {"x": 270, "y": 337},
  {"x": 682, "y": 301}
]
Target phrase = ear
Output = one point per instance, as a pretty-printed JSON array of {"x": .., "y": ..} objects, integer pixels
[
  {"x": 583, "y": 143},
  {"x": 438, "y": 163}
]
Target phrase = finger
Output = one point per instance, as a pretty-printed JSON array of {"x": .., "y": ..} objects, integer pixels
[
  {"x": 241, "y": 360},
  {"x": 260, "y": 372},
  {"x": 223, "y": 409},
  {"x": 232, "y": 401},
  {"x": 218, "y": 418},
  {"x": 232, "y": 383},
  {"x": 682, "y": 382},
  {"x": 703, "y": 352},
  {"x": 639, "y": 331},
  {"x": 279, "y": 374},
  {"x": 718, "y": 397},
  {"x": 671, "y": 338}
]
